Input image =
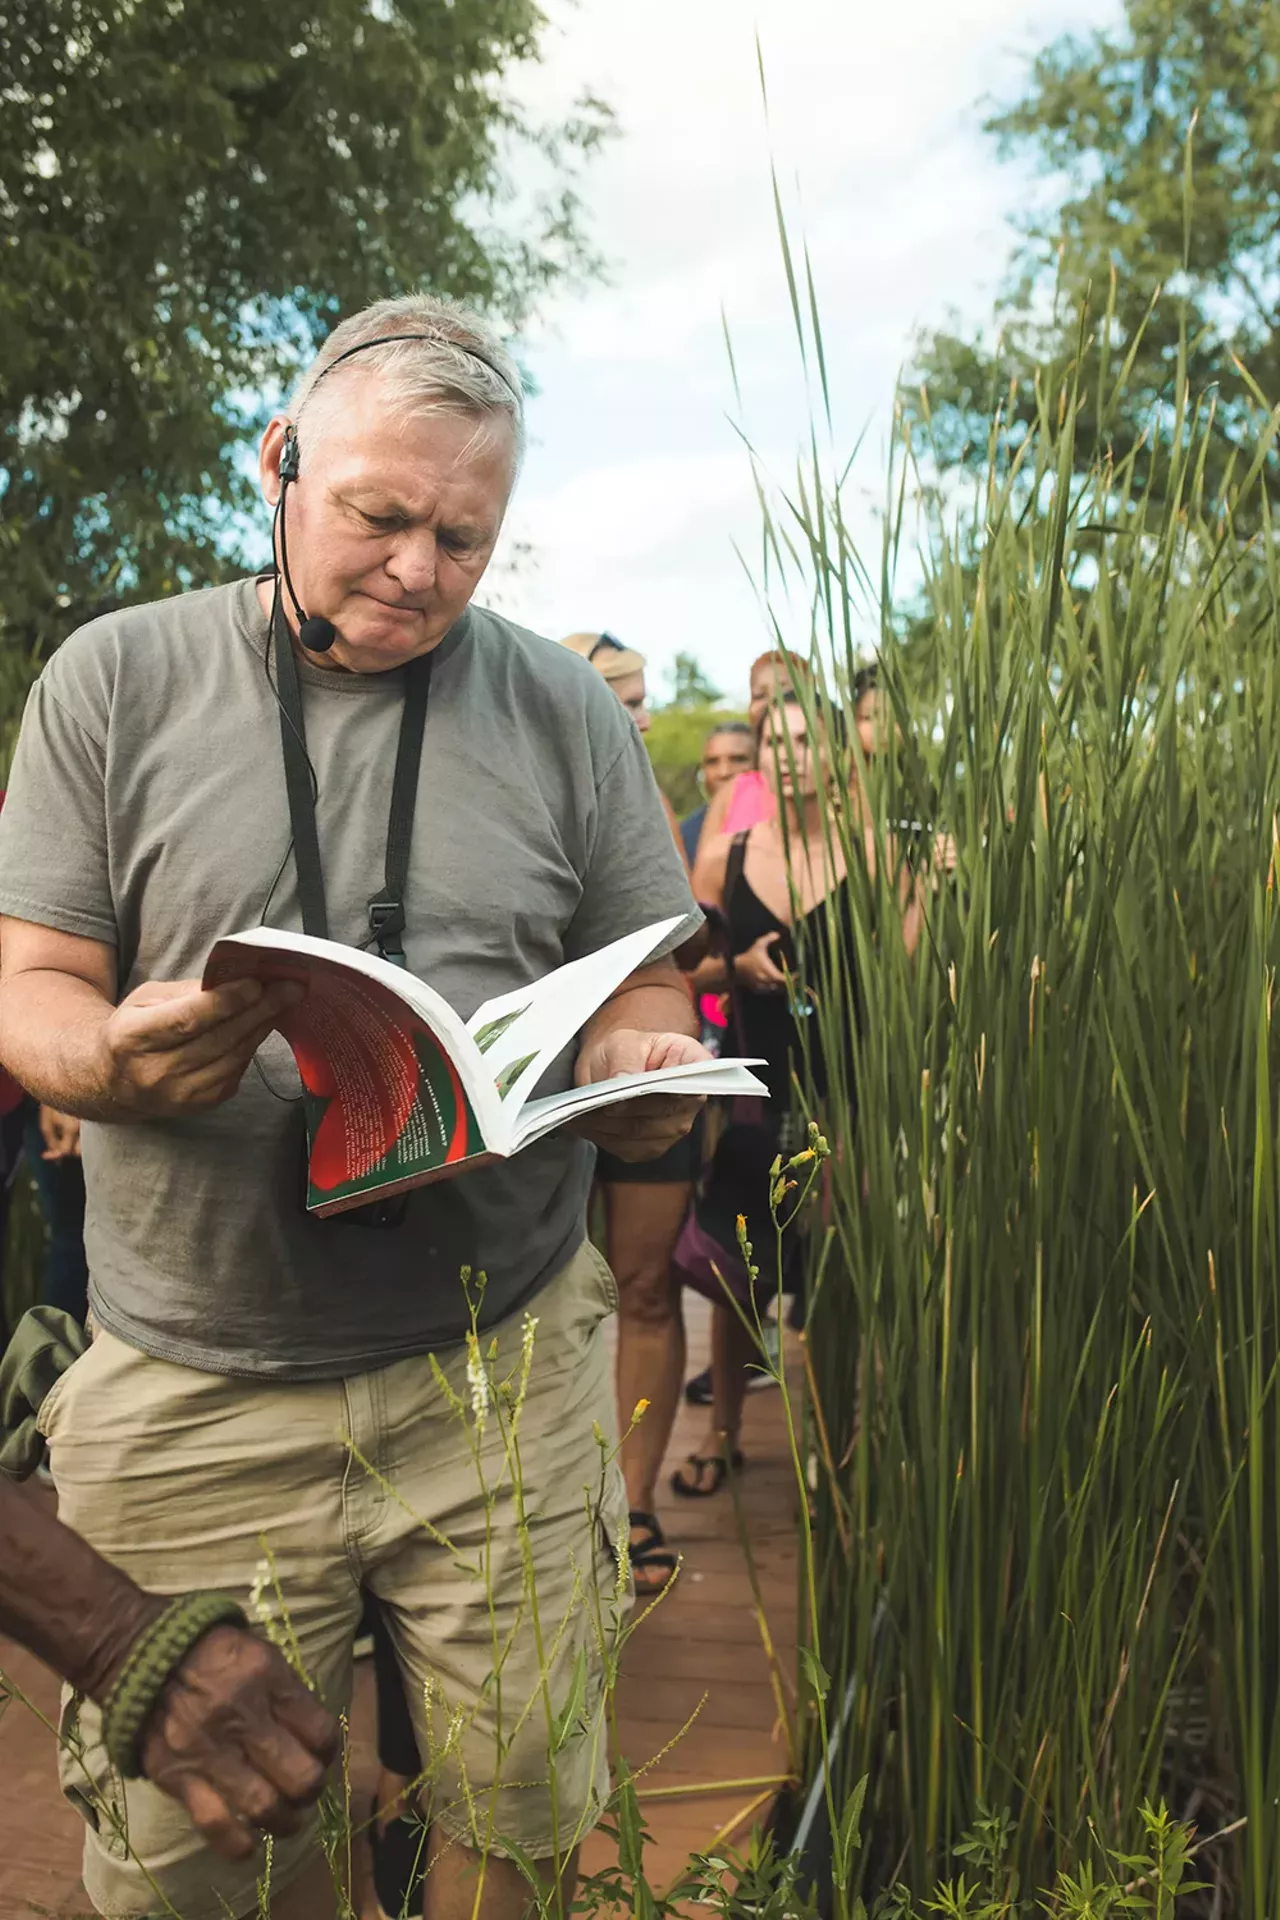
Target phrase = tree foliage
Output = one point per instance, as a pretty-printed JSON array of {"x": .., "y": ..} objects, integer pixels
[
  {"x": 690, "y": 686},
  {"x": 1165, "y": 133},
  {"x": 676, "y": 737},
  {"x": 191, "y": 193}
]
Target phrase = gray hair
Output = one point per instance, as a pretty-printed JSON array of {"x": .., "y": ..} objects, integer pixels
[{"x": 460, "y": 367}]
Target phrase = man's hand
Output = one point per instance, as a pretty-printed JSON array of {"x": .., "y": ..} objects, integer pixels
[
  {"x": 174, "y": 1046},
  {"x": 239, "y": 1740},
  {"x": 60, "y": 1133},
  {"x": 643, "y": 1127}
]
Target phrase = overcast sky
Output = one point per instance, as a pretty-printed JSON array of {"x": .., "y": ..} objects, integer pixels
[{"x": 636, "y": 487}]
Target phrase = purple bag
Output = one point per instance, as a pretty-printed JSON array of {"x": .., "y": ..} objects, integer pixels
[
  {"x": 699, "y": 1261},
  {"x": 707, "y": 1257}
]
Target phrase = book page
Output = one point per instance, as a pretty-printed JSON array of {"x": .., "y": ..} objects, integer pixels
[
  {"x": 519, "y": 1034},
  {"x": 722, "y": 1078},
  {"x": 384, "y": 1092}
]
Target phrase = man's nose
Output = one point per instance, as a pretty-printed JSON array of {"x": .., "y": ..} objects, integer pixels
[{"x": 412, "y": 564}]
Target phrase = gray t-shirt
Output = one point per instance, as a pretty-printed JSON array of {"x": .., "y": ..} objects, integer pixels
[{"x": 147, "y": 809}]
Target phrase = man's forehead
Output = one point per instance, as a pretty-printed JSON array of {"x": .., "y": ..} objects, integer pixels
[{"x": 426, "y": 451}]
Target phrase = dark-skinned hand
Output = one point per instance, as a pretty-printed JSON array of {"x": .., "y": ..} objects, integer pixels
[{"x": 239, "y": 1740}]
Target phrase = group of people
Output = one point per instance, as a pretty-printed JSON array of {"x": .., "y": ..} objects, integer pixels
[
  {"x": 767, "y": 871},
  {"x": 261, "y": 1382}
]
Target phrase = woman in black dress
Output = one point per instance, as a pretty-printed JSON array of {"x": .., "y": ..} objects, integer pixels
[{"x": 777, "y": 886}]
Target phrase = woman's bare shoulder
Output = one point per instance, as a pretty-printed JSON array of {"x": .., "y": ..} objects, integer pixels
[{"x": 709, "y": 867}]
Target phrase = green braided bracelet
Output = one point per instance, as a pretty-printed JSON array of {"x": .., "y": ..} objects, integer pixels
[{"x": 152, "y": 1658}]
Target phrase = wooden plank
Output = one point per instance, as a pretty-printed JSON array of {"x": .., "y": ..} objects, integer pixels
[
  {"x": 705, "y": 1639},
  {"x": 742, "y": 1706}
]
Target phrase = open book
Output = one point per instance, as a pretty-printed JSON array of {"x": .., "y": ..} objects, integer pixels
[{"x": 399, "y": 1090}]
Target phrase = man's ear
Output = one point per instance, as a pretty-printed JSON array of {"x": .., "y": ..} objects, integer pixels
[{"x": 270, "y": 448}]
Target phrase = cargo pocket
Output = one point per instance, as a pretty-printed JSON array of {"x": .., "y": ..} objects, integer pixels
[
  {"x": 47, "y": 1411},
  {"x": 88, "y": 1781},
  {"x": 607, "y": 1611},
  {"x": 604, "y": 1277}
]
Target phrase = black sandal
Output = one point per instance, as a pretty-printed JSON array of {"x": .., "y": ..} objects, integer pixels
[
  {"x": 651, "y": 1553},
  {"x": 398, "y": 1843},
  {"x": 716, "y": 1465}
]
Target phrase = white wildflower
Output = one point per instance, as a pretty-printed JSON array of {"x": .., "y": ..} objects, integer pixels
[
  {"x": 623, "y": 1550},
  {"x": 261, "y": 1607},
  {"x": 263, "y": 1597},
  {"x": 526, "y": 1361},
  {"x": 478, "y": 1382}
]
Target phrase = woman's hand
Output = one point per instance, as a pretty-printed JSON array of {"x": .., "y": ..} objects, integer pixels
[
  {"x": 757, "y": 970},
  {"x": 60, "y": 1133}
]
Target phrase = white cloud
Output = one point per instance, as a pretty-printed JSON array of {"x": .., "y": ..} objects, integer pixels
[{"x": 636, "y": 487}]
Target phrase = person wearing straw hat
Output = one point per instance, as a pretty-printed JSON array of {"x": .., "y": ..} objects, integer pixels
[
  {"x": 645, "y": 1205},
  {"x": 621, "y": 668}
]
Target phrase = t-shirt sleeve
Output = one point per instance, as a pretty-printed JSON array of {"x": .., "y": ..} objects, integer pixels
[
  {"x": 54, "y": 856},
  {"x": 634, "y": 871}
]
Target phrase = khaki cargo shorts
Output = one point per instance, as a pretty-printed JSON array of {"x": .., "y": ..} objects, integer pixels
[{"x": 477, "y": 1498}]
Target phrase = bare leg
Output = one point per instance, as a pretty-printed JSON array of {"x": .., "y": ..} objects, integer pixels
[
  {"x": 454, "y": 1890},
  {"x": 643, "y": 1225},
  {"x": 733, "y": 1350},
  {"x": 309, "y": 1897},
  {"x": 389, "y": 1795}
]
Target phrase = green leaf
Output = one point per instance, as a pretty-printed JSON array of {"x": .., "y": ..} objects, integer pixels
[
  {"x": 815, "y": 1673},
  {"x": 630, "y": 1829},
  {"x": 849, "y": 1835},
  {"x": 570, "y": 1714}
]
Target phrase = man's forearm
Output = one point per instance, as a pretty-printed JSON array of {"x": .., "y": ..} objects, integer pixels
[
  {"x": 51, "y": 1041},
  {"x": 61, "y": 1600},
  {"x": 648, "y": 1006}
]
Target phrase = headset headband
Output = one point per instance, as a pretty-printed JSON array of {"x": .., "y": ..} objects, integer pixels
[{"x": 392, "y": 339}]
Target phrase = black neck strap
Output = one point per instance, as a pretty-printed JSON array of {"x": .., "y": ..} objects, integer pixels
[{"x": 386, "y": 909}]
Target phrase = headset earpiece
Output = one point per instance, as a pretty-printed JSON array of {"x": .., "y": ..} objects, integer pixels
[{"x": 290, "y": 455}]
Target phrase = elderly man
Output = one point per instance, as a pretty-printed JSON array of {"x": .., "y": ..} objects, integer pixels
[{"x": 346, "y": 744}]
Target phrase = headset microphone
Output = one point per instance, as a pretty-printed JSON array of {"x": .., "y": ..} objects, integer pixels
[{"x": 315, "y": 633}]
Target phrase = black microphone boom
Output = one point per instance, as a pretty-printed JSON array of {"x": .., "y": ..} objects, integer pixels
[{"x": 315, "y": 632}]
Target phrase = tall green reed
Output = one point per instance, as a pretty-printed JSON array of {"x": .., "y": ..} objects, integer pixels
[{"x": 1044, "y": 1312}]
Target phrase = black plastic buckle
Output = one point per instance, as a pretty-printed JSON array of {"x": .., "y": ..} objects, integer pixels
[{"x": 386, "y": 924}]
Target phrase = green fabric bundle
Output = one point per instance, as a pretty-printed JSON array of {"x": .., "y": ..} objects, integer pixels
[{"x": 45, "y": 1343}]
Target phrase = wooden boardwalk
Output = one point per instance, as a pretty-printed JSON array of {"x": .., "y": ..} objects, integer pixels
[{"x": 698, "y": 1657}]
